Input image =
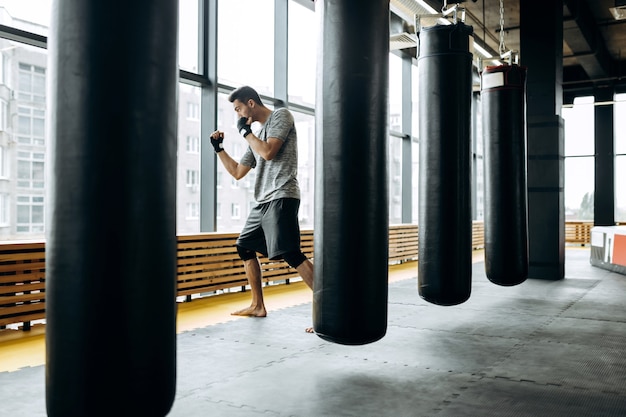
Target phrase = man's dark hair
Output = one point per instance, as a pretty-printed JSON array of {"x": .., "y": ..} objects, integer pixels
[{"x": 244, "y": 94}]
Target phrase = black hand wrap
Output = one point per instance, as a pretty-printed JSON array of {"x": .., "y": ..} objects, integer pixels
[
  {"x": 243, "y": 127},
  {"x": 217, "y": 143}
]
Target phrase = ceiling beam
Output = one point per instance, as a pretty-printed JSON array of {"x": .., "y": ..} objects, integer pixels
[{"x": 583, "y": 36}]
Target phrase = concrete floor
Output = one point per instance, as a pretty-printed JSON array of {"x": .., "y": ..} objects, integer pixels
[{"x": 542, "y": 348}]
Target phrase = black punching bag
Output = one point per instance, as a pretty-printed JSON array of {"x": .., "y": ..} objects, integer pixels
[
  {"x": 111, "y": 209},
  {"x": 445, "y": 218},
  {"x": 351, "y": 209},
  {"x": 506, "y": 211}
]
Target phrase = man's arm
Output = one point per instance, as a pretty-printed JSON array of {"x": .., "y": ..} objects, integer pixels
[
  {"x": 267, "y": 150},
  {"x": 234, "y": 168}
]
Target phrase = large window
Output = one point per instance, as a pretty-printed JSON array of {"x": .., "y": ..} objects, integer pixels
[
  {"x": 188, "y": 35},
  {"x": 579, "y": 159},
  {"x": 228, "y": 196},
  {"x": 188, "y": 161},
  {"x": 305, "y": 126},
  {"x": 415, "y": 144},
  {"x": 394, "y": 172},
  {"x": 394, "y": 167},
  {"x": 245, "y": 49},
  {"x": 302, "y": 57},
  {"x": 620, "y": 158}
]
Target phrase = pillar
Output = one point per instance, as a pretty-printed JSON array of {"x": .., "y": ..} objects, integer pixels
[
  {"x": 111, "y": 224},
  {"x": 541, "y": 51},
  {"x": 604, "y": 194}
]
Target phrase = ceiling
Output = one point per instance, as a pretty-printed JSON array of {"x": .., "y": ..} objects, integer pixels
[{"x": 594, "y": 42}]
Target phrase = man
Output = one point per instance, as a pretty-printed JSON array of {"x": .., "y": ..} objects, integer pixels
[{"x": 272, "y": 226}]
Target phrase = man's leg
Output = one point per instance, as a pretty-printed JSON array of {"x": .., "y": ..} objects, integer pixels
[
  {"x": 305, "y": 269},
  {"x": 252, "y": 267}
]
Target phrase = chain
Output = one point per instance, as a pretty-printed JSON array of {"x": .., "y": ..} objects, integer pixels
[{"x": 502, "y": 47}]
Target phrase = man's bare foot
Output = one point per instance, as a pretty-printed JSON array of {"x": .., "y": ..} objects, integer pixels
[
  {"x": 250, "y": 312},
  {"x": 309, "y": 330}
]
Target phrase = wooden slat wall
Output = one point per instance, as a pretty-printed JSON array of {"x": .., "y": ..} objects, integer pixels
[
  {"x": 22, "y": 283},
  {"x": 578, "y": 232},
  {"x": 206, "y": 262},
  {"x": 478, "y": 235},
  {"x": 403, "y": 240}
]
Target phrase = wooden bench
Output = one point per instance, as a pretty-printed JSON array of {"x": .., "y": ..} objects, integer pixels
[
  {"x": 403, "y": 240},
  {"x": 578, "y": 232},
  {"x": 207, "y": 262}
]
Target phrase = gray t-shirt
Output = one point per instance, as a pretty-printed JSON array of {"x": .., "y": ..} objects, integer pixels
[{"x": 276, "y": 178}]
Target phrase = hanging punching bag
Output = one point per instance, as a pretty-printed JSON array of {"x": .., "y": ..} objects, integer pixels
[
  {"x": 111, "y": 229},
  {"x": 506, "y": 214},
  {"x": 445, "y": 222},
  {"x": 351, "y": 198}
]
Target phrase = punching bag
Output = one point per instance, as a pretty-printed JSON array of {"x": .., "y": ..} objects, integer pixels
[
  {"x": 445, "y": 218},
  {"x": 351, "y": 197},
  {"x": 506, "y": 210},
  {"x": 111, "y": 209}
]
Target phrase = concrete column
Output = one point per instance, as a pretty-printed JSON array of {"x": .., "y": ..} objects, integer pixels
[
  {"x": 541, "y": 50},
  {"x": 111, "y": 205},
  {"x": 604, "y": 194}
]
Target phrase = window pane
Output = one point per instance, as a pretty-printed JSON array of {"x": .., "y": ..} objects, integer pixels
[
  {"x": 305, "y": 126},
  {"x": 579, "y": 127},
  {"x": 579, "y": 188},
  {"x": 395, "y": 180},
  {"x": 395, "y": 93},
  {"x": 38, "y": 170},
  {"x": 37, "y": 214},
  {"x": 415, "y": 156},
  {"x": 302, "y": 54},
  {"x": 38, "y": 127},
  {"x": 242, "y": 58},
  {"x": 188, "y": 35},
  {"x": 23, "y": 170},
  {"x": 620, "y": 188},
  {"x": 228, "y": 196},
  {"x": 415, "y": 125},
  {"x": 187, "y": 162},
  {"x": 478, "y": 167},
  {"x": 23, "y": 125},
  {"x": 23, "y": 214},
  {"x": 620, "y": 124}
]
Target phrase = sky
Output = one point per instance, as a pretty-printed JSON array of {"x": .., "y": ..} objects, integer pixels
[{"x": 37, "y": 11}]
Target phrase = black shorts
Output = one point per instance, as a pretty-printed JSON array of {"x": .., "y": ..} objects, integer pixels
[{"x": 272, "y": 228}]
